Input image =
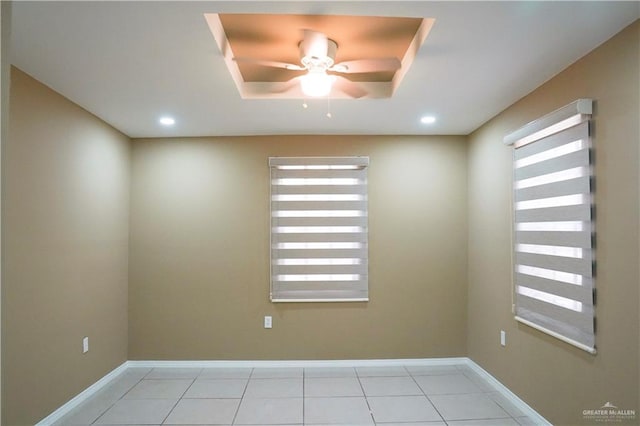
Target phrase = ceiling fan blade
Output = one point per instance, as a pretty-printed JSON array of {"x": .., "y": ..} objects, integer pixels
[
  {"x": 267, "y": 63},
  {"x": 349, "y": 87},
  {"x": 284, "y": 86},
  {"x": 314, "y": 44},
  {"x": 367, "y": 65}
]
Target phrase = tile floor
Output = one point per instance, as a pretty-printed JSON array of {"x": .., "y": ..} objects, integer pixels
[{"x": 394, "y": 395}]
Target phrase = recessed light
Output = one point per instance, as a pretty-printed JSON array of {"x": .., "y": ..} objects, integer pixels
[
  {"x": 167, "y": 121},
  {"x": 428, "y": 119}
]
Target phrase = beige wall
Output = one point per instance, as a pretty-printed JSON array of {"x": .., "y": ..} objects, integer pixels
[
  {"x": 199, "y": 265},
  {"x": 5, "y": 71},
  {"x": 65, "y": 209},
  {"x": 556, "y": 379}
]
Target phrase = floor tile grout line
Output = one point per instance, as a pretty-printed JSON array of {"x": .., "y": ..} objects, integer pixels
[
  {"x": 170, "y": 411},
  {"x": 144, "y": 376},
  {"x": 103, "y": 412},
  {"x": 373, "y": 419},
  {"x": 179, "y": 399},
  {"x": 244, "y": 391},
  {"x": 187, "y": 389},
  {"x": 400, "y": 394},
  {"x": 427, "y": 396},
  {"x": 251, "y": 373},
  {"x": 129, "y": 390},
  {"x": 121, "y": 397}
]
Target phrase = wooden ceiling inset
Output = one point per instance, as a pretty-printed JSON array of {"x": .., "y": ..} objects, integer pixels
[{"x": 276, "y": 37}]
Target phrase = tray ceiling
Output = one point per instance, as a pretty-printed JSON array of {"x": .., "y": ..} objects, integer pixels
[{"x": 277, "y": 37}]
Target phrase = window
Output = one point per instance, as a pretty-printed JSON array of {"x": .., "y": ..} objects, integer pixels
[
  {"x": 319, "y": 243},
  {"x": 553, "y": 229}
]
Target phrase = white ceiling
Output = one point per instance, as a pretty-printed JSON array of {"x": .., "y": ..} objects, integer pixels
[{"x": 131, "y": 62}]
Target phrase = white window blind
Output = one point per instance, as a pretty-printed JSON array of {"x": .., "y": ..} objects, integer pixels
[
  {"x": 553, "y": 229},
  {"x": 319, "y": 235}
]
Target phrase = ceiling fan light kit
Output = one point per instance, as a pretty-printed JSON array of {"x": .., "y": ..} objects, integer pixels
[{"x": 316, "y": 83}]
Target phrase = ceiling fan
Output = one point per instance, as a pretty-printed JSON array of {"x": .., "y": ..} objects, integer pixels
[{"x": 317, "y": 57}]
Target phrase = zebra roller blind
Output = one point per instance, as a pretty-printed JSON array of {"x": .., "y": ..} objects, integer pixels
[
  {"x": 553, "y": 229},
  {"x": 319, "y": 236}
]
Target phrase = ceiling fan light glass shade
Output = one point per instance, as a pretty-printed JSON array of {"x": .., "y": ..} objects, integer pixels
[{"x": 316, "y": 83}]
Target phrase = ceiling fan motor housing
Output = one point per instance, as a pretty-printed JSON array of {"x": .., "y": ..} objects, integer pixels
[{"x": 313, "y": 60}]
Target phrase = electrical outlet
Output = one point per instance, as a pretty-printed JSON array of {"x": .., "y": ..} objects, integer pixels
[
  {"x": 268, "y": 322},
  {"x": 503, "y": 338},
  {"x": 85, "y": 345}
]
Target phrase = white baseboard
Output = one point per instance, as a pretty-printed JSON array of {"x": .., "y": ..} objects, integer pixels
[
  {"x": 83, "y": 396},
  {"x": 299, "y": 363},
  {"x": 87, "y": 393}
]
